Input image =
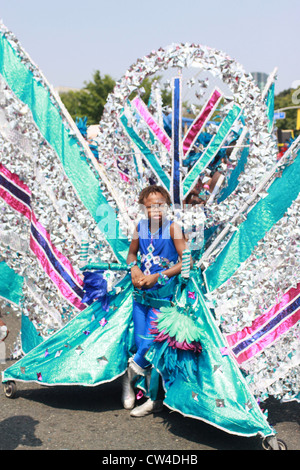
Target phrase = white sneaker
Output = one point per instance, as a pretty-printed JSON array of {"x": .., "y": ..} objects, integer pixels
[{"x": 147, "y": 408}]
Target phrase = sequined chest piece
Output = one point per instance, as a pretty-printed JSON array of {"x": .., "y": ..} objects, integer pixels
[
  {"x": 149, "y": 259},
  {"x": 157, "y": 253}
]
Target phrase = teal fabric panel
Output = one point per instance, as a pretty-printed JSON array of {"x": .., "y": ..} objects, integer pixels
[
  {"x": 11, "y": 284},
  {"x": 85, "y": 351},
  {"x": 29, "y": 335},
  {"x": 234, "y": 177},
  {"x": 270, "y": 106}
]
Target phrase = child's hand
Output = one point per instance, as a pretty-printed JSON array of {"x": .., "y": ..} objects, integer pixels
[
  {"x": 148, "y": 281},
  {"x": 136, "y": 276}
]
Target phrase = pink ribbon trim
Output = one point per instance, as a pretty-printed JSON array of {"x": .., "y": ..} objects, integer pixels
[
  {"x": 259, "y": 322},
  {"x": 64, "y": 289},
  {"x": 269, "y": 338},
  {"x": 26, "y": 210},
  {"x": 14, "y": 178},
  {"x": 148, "y": 118},
  {"x": 63, "y": 260},
  {"x": 200, "y": 121},
  {"x": 15, "y": 203}
]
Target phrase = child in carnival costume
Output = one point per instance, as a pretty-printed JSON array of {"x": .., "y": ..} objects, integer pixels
[
  {"x": 160, "y": 243},
  {"x": 180, "y": 350},
  {"x": 162, "y": 319}
]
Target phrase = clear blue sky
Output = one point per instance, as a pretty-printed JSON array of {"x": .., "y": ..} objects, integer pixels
[{"x": 70, "y": 39}]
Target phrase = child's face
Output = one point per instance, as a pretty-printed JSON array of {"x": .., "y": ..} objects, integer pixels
[{"x": 155, "y": 206}]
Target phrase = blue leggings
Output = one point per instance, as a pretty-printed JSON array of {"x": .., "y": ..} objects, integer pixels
[{"x": 143, "y": 315}]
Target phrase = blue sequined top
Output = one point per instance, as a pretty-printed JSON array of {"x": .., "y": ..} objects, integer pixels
[{"x": 157, "y": 250}]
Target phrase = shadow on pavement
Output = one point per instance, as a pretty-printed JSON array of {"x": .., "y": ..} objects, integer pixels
[
  {"x": 107, "y": 397},
  {"x": 18, "y": 430}
]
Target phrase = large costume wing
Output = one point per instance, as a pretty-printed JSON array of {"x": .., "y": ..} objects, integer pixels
[
  {"x": 52, "y": 199},
  {"x": 253, "y": 282}
]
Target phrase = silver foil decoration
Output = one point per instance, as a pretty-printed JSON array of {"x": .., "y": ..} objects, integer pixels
[{"x": 265, "y": 275}]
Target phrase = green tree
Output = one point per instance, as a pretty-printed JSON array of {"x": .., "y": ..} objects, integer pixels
[
  {"x": 90, "y": 100},
  {"x": 285, "y": 100}
]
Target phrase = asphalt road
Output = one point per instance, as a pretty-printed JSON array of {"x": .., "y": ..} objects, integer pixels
[{"x": 92, "y": 418}]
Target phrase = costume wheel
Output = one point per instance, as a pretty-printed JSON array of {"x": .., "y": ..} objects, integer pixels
[
  {"x": 10, "y": 389},
  {"x": 269, "y": 444}
]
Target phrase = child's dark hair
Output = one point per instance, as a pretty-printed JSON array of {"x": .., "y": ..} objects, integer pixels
[{"x": 154, "y": 189}]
